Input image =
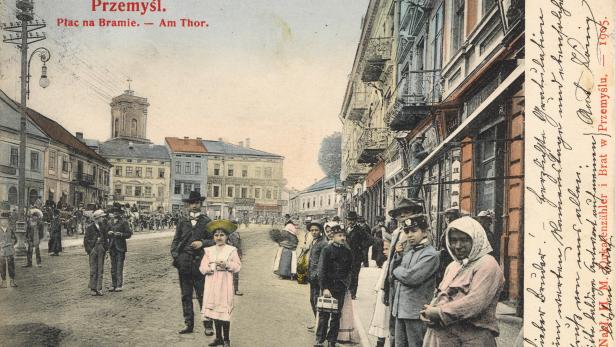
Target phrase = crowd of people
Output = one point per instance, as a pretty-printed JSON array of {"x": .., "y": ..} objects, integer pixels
[{"x": 430, "y": 292}]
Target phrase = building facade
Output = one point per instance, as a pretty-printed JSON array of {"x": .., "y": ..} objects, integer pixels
[
  {"x": 141, "y": 173},
  {"x": 454, "y": 111},
  {"x": 188, "y": 168},
  {"x": 74, "y": 174},
  {"x": 319, "y": 200},
  {"x": 243, "y": 182},
  {"x": 36, "y": 144}
]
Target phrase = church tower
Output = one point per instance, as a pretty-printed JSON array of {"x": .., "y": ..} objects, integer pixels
[{"x": 129, "y": 117}]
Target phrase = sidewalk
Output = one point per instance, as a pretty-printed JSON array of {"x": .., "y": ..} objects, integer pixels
[
  {"x": 508, "y": 323},
  {"x": 71, "y": 241}
]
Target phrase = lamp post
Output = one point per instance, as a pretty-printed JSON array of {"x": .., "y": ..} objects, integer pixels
[{"x": 22, "y": 34}]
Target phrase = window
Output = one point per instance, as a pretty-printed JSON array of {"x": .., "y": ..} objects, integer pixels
[
  {"x": 216, "y": 169},
  {"x": 268, "y": 193},
  {"x": 129, "y": 171},
  {"x": 457, "y": 26},
  {"x": 197, "y": 168},
  {"x": 13, "y": 195},
  {"x": 148, "y": 191},
  {"x": 257, "y": 193},
  {"x": 34, "y": 161},
  {"x": 161, "y": 193},
  {"x": 230, "y": 170},
  {"x": 161, "y": 173},
  {"x": 138, "y": 171},
  {"x": 137, "y": 191},
  {"x": 118, "y": 171},
  {"x": 258, "y": 172},
  {"x": 178, "y": 167},
  {"x": 188, "y": 168},
  {"x": 133, "y": 128},
  {"x": 177, "y": 188},
  {"x": 197, "y": 187},
  {"x": 148, "y": 172},
  {"x": 65, "y": 164},
  {"x": 436, "y": 48},
  {"x": 117, "y": 190},
  {"x": 106, "y": 178},
  {"x": 52, "y": 160},
  {"x": 244, "y": 171},
  {"x": 129, "y": 190},
  {"x": 216, "y": 191},
  {"x": 321, "y": 202},
  {"x": 244, "y": 192},
  {"x": 230, "y": 191},
  {"x": 187, "y": 187},
  {"x": 267, "y": 172},
  {"x": 14, "y": 157}
]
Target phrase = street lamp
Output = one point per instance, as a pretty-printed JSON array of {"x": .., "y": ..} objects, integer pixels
[{"x": 44, "y": 82}]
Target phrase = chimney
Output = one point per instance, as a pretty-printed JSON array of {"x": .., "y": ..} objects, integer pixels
[
  {"x": 241, "y": 143},
  {"x": 79, "y": 136},
  {"x": 248, "y": 142}
]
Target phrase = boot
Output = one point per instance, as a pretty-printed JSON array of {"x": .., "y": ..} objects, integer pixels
[
  {"x": 380, "y": 342},
  {"x": 227, "y": 343},
  {"x": 12, "y": 283},
  {"x": 216, "y": 342},
  {"x": 2, "y": 284},
  {"x": 188, "y": 329},
  {"x": 208, "y": 328}
]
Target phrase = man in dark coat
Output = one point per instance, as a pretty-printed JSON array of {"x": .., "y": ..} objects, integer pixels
[
  {"x": 377, "y": 241},
  {"x": 361, "y": 221},
  {"x": 334, "y": 271},
  {"x": 319, "y": 241},
  {"x": 119, "y": 232},
  {"x": 95, "y": 242},
  {"x": 187, "y": 246},
  {"x": 55, "y": 234},
  {"x": 358, "y": 240}
]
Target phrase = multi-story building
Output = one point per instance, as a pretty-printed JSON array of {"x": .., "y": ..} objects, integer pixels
[
  {"x": 74, "y": 173},
  {"x": 141, "y": 173},
  {"x": 454, "y": 112},
  {"x": 319, "y": 200},
  {"x": 189, "y": 168},
  {"x": 36, "y": 144},
  {"x": 243, "y": 182}
]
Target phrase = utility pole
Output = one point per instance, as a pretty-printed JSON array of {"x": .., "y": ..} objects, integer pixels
[{"x": 23, "y": 33}]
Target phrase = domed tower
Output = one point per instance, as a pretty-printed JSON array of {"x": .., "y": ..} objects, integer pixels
[{"x": 129, "y": 117}]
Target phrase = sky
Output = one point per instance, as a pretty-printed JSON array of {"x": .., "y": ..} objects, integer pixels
[{"x": 273, "y": 71}]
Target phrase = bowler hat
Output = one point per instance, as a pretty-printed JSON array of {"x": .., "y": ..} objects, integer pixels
[
  {"x": 223, "y": 224},
  {"x": 194, "y": 196},
  {"x": 352, "y": 215},
  {"x": 406, "y": 205}
]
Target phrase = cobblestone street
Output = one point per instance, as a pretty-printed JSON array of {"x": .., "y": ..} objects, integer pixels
[{"x": 52, "y": 305}]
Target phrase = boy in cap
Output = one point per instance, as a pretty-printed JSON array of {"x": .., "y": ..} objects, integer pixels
[
  {"x": 334, "y": 271},
  {"x": 413, "y": 270},
  {"x": 7, "y": 250}
]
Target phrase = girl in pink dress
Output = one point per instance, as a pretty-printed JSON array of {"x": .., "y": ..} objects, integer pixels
[{"x": 218, "y": 265}]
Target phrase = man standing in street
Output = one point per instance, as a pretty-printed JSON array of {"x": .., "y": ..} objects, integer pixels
[
  {"x": 413, "y": 267},
  {"x": 334, "y": 271},
  {"x": 119, "y": 231},
  {"x": 359, "y": 240},
  {"x": 7, "y": 249},
  {"x": 361, "y": 221},
  {"x": 377, "y": 241},
  {"x": 34, "y": 234},
  {"x": 95, "y": 242},
  {"x": 187, "y": 246}
]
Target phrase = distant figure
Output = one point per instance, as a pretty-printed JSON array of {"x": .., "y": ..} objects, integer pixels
[{"x": 8, "y": 240}]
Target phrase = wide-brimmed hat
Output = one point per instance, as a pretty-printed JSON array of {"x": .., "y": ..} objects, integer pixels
[
  {"x": 352, "y": 215},
  {"x": 98, "y": 214},
  {"x": 35, "y": 212},
  {"x": 336, "y": 228},
  {"x": 223, "y": 224},
  {"x": 194, "y": 196},
  {"x": 406, "y": 205}
]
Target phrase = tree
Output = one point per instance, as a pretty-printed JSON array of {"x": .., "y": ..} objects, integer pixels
[{"x": 330, "y": 155}]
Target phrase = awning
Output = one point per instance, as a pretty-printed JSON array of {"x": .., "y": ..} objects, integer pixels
[
  {"x": 513, "y": 76},
  {"x": 375, "y": 174}
]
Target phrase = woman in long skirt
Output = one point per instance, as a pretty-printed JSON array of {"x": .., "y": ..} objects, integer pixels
[
  {"x": 219, "y": 263},
  {"x": 285, "y": 263}
]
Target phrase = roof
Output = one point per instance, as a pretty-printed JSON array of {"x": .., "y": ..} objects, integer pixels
[
  {"x": 220, "y": 147},
  {"x": 119, "y": 148},
  {"x": 57, "y": 132},
  {"x": 92, "y": 143},
  {"x": 185, "y": 145},
  {"x": 324, "y": 183},
  {"x": 10, "y": 117}
]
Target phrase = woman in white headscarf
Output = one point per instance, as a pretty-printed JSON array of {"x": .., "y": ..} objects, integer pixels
[
  {"x": 285, "y": 263},
  {"x": 463, "y": 311}
]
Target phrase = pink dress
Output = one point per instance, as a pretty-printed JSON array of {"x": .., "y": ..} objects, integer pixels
[{"x": 218, "y": 288}]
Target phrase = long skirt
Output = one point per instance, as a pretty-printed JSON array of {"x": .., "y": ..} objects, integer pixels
[
  {"x": 459, "y": 336},
  {"x": 379, "y": 326},
  {"x": 55, "y": 243},
  {"x": 285, "y": 263}
]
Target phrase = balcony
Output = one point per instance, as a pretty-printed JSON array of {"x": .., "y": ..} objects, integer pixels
[
  {"x": 372, "y": 142},
  {"x": 359, "y": 106},
  {"x": 83, "y": 179},
  {"x": 351, "y": 170},
  {"x": 418, "y": 91},
  {"x": 375, "y": 58}
]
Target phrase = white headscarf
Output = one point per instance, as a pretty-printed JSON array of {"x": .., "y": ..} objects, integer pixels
[
  {"x": 290, "y": 227},
  {"x": 481, "y": 245}
]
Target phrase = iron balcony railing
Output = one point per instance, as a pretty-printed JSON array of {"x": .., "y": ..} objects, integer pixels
[
  {"x": 84, "y": 179},
  {"x": 421, "y": 87},
  {"x": 372, "y": 142},
  {"x": 378, "y": 52}
]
